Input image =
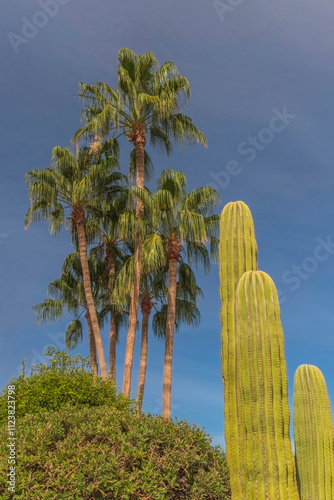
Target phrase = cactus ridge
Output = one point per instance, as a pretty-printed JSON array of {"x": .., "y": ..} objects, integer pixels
[
  {"x": 313, "y": 435},
  {"x": 237, "y": 254},
  {"x": 265, "y": 452}
]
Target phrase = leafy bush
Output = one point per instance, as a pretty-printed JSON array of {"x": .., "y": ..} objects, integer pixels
[
  {"x": 108, "y": 453},
  {"x": 65, "y": 381},
  {"x": 92, "y": 445}
]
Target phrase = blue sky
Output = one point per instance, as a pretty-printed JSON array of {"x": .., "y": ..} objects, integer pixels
[{"x": 246, "y": 64}]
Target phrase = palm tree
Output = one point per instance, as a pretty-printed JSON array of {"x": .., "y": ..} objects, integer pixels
[
  {"x": 183, "y": 225},
  {"x": 114, "y": 251},
  {"x": 154, "y": 288},
  {"x": 68, "y": 292},
  {"x": 75, "y": 183},
  {"x": 111, "y": 247},
  {"x": 147, "y": 102},
  {"x": 151, "y": 289}
]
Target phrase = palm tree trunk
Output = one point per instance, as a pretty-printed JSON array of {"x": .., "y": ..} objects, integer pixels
[
  {"x": 169, "y": 342},
  {"x": 113, "y": 326},
  {"x": 112, "y": 351},
  {"x": 140, "y": 175},
  {"x": 134, "y": 303},
  {"x": 92, "y": 347},
  {"x": 143, "y": 361},
  {"x": 89, "y": 296}
]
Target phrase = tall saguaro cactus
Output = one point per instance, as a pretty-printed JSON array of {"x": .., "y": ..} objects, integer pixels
[
  {"x": 265, "y": 451},
  {"x": 313, "y": 435},
  {"x": 237, "y": 254}
]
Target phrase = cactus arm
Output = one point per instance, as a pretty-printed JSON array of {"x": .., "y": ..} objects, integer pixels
[
  {"x": 313, "y": 434},
  {"x": 268, "y": 468}
]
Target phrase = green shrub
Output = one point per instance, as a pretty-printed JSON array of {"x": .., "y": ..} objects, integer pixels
[
  {"x": 65, "y": 381},
  {"x": 95, "y": 446},
  {"x": 107, "y": 453}
]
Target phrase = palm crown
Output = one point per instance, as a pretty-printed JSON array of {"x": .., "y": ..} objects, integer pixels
[
  {"x": 71, "y": 183},
  {"x": 148, "y": 100},
  {"x": 182, "y": 222}
]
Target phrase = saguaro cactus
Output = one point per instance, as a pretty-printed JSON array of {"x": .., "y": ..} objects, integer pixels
[
  {"x": 313, "y": 435},
  {"x": 237, "y": 254},
  {"x": 265, "y": 451}
]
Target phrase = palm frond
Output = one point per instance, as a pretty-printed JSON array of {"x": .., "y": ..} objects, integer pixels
[
  {"x": 73, "y": 334},
  {"x": 126, "y": 83},
  {"x": 181, "y": 128},
  {"x": 198, "y": 254},
  {"x": 174, "y": 182},
  {"x": 187, "y": 287},
  {"x": 108, "y": 92},
  {"x": 159, "y": 139},
  {"x": 153, "y": 253},
  {"x": 178, "y": 86},
  {"x": 124, "y": 279},
  {"x": 93, "y": 93},
  {"x": 167, "y": 70},
  {"x": 214, "y": 249},
  {"x": 163, "y": 200},
  {"x": 145, "y": 67},
  {"x": 202, "y": 200},
  {"x": 49, "y": 310},
  {"x": 39, "y": 210},
  {"x": 127, "y": 59},
  {"x": 191, "y": 226},
  {"x": 131, "y": 227}
]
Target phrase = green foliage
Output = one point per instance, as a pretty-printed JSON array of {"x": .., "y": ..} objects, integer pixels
[
  {"x": 187, "y": 295},
  {"x": 92, "y": 445},
  {"x": 177, "y": 215},
  {"x": 71, "y": 181},
  {"x": 147, "y": 95},
  {"x": 65, "y": 381},
  {"x": 68, "y": 292},
  {"x": 313, "y": 432}
]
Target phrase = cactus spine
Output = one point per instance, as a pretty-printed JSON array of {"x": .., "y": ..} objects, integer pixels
[
  {"x": 313, "y": 435},
  {"x": 265, "y": 452},
  {"x": 237, "y": 254}
]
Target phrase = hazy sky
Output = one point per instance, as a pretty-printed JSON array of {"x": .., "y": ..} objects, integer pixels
[{"x": 262, "y": 79}]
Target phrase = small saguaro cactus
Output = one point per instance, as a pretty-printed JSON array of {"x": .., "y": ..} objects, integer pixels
[
  {"x": 237, "y": 254},
  {"x": 265, "y": 452},
  {"x": 313, "y": 435}
]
